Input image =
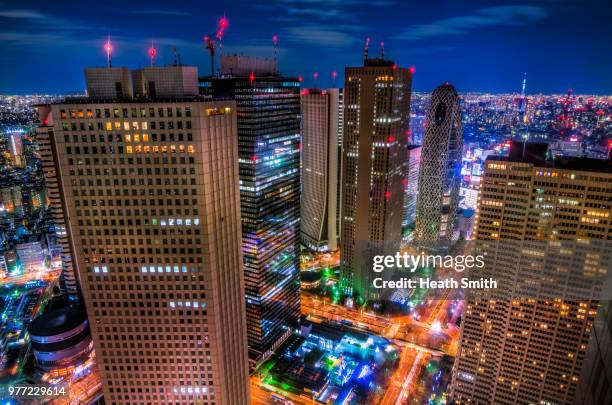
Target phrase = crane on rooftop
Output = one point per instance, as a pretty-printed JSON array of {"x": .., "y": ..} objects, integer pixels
[{"x": 213, "y": 41}]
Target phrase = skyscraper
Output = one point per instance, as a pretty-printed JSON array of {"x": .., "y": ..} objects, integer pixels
[
  {"x": 149, "y": 191},
  {"x": 320, "y": 164},
  {"x": 412, "y": 184},
  {"x": 376, "y": 114},
  {"x": 268, "y": 117},
  {"x": 439, "y": 178},
  {"x": 524, "y": 348}
]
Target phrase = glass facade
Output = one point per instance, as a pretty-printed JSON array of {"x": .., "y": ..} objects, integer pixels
[{"x": 268, "y": 120}]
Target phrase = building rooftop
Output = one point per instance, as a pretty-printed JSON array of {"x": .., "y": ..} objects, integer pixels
[
  {"x": 135, "y": 100},
  {"x": 538, "y": 155},
  {"x": 56, "y": 322},
  {"x": 378, "y": 62}
]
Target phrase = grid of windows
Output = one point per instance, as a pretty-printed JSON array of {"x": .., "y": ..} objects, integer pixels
[
  {"x": 268, "y": 120},
  {"x": 376, "y": 121},
  {"x": 150, "y": 190}
]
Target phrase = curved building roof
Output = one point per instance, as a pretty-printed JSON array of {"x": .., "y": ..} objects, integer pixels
[{"x": 56, "y": 322}]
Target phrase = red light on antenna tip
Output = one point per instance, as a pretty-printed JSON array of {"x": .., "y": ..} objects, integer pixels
[
  {"x": 223, "y": 23},
  {"x": 152, "y": 52},
  {"x": 315, "y": 75},
  {"x": 334, "y": 75},
  {"x": 300, "y": 78},
  {"x": 274, "y": 39},
  {"x": 412, "y": 70}
]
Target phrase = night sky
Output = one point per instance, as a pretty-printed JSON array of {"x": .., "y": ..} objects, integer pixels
[{"x": 476, "y": 45}]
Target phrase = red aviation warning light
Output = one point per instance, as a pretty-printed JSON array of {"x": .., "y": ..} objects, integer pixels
[
  {"x": 252, "y": 77},
  {"x": 108, "y": 47},
  {"x": 412, "y": 69},
  {"x": 300, "y": 78},
  {"x": 222, "y": 26},
  {"x": 152, "y": 53},
  {"x": 315, "y": 75},
  {"x": 334, "y": 75},
  {"x": 274, "y": 39}
]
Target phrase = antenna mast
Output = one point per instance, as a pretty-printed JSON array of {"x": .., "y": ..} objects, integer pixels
[
  {"x": 109, "y": 49},
  {"x": 366, "y": 47},
  {"x": 152, "y": 54},
  {"x": 275, "y": 42}
]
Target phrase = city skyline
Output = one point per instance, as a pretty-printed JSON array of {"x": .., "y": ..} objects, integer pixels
[
  {"x": 550, "y": 40},
  {"x": 365, "y": 202}
]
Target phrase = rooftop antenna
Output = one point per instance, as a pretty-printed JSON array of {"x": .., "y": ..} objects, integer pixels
[
  {"x": 382, "y": 50},
  {"x": 152, "y": 53},
  {"x": 366, "y": 48},
  {"x": 108, "y": 47},
  {"x": 334, "y": 74},
  {"x": 275, "y": 42},
  {"x": 175, "y": 56},
  {"x": 211, "y": 41}
]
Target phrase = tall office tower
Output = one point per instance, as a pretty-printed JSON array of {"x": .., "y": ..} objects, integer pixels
[
  {"x": 149, "y": 191},
  {"x": 376, "y": 120},
  {"x": 412, "y": 184},
  {"x": 268, "y": 117},
  {"x": 439, "y": 178},
  {"x": 339, "y": 165},
  {"x": 544, "y": 223},
  {"x": 319, "y": 210}
]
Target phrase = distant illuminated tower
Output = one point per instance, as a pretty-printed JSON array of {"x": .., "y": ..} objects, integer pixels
[
  {"x": 319, "y": 168},
  {"x": 440, "y": 167},
  {"x": 376, "y": 121},
  {"x": 523, "y": 100}
]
